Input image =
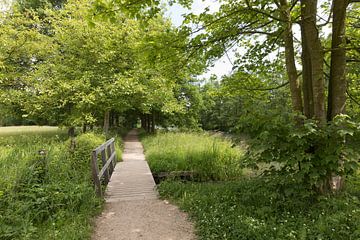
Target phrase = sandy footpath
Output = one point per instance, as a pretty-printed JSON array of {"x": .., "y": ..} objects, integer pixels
[{"x": 143, "y": 219}]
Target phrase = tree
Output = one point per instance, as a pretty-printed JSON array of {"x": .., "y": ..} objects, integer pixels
[{"x": 243, "y": 23}]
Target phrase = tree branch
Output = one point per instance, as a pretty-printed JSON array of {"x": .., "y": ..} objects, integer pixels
[
  {"x": 352, "y": 97},
  {"x": 266, "y": 89}
]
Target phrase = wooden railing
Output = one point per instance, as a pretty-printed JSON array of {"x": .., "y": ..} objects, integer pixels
[{"x": 108, "y": 162}]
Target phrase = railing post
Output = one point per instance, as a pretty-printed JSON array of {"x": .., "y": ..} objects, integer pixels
[
  {"x": 109, "y": 152},
  {"x": 95, "y": 172},
  {"x": 112, "y": 149},
  {"x": 106, "y": 173}
]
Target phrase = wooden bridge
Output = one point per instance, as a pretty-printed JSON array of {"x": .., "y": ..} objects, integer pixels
[
  {"x": 132, "y": 178},
  {"x": 132, "y": 209}
]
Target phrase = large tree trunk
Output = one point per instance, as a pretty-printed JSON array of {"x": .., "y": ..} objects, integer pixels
[
  {"x": 312, "y": 62},
  {"x": 337, "y": 82},
  {"x": 295, "y": 89}
]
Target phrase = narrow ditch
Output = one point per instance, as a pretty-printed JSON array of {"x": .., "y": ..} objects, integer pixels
[{"x": 176, "y": 175}]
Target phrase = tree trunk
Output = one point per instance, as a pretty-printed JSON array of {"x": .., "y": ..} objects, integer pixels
[
  {"x": 71, "y": 132},
  {"x": 337, "y": 82},
  {"x": 115, "y": 120},
  {"x": 143, "y": 122},
  {"x": 106, "y": 122},
  {"x": 148, "y": 124},
  {"x": 312, "y": 60},
  {"x": 295, "y": 89},
  {"x": 84, "y": 128},
  {"x": 153, "y": 122}
]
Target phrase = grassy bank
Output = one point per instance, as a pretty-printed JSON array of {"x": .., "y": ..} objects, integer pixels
[
  {"x": 209, "y": 157},
  {"x": 51, "y": 198},
  {"x": 248, "y": 207}
]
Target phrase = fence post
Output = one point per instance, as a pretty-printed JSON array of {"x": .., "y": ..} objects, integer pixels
[
  {"x": 109, "y": 153},
  {"x": 95, "y": 172},
  {"x": 106, "y": 173},
  {"x": 112, "y": 147}
]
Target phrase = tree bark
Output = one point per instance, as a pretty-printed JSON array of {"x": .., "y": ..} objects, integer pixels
[
  {"x": 143, "y": 122},
  {"x": 106, "y": 122},
  {"x": 153, "y": 122},
  {"x": 312, "y": 60},
  {"x": 291, "y": 70},
  {"x": 71, "y": 132},
  {"x": 337, "y": 82}
]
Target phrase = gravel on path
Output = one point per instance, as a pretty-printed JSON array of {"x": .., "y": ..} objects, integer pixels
[{"x": 143, "y": 219}]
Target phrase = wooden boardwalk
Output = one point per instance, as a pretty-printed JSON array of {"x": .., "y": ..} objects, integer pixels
[{"x": 132, "y": 178}]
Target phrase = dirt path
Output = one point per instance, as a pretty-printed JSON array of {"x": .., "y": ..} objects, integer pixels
[{"x": 132, "y": 209}]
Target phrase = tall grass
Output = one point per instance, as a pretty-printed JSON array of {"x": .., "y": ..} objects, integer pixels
[
  {"x": 209, "y": 157},
  {"x": 17, "y": 150},
  {"x": 51, "y": 198}
]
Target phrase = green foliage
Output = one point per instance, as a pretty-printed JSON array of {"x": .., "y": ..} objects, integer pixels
[
  {"x": 305, "y": 154},
  {"x": 209, "y": 157},
  {"x": 59, "y": 67},
  {"x": 249, "y": 209},
  {"x": 48, "y": 197}
]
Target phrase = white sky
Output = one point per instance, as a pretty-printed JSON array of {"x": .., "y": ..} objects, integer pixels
[{"x": 4, "y": 5}]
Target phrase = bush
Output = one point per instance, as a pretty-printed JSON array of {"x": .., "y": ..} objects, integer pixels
[{"x": 307, "y": 154}]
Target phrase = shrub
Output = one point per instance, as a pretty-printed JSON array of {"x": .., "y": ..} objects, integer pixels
[{"x": 307, "y": 154}]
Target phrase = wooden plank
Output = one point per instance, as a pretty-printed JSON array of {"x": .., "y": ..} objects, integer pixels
[
  {"x": 105, "y": 167},
  {"x": 104, "y": 145}
]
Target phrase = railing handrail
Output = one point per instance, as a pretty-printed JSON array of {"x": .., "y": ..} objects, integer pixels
[
  {"x": 104, "y": 145},
  {"x": 108, "y": 160}
]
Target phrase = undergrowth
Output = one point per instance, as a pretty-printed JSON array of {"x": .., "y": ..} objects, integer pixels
[
  {"x": 209, "y": 157},
  {"x": 51, "y": 197},
  {"x": 253, "y": 209}
]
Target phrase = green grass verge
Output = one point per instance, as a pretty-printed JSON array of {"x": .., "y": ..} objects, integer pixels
[
  {"x": 250, "y": 209},
  {"x": 51, "y": 199},
  {"x": 210, "y": 157}
]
